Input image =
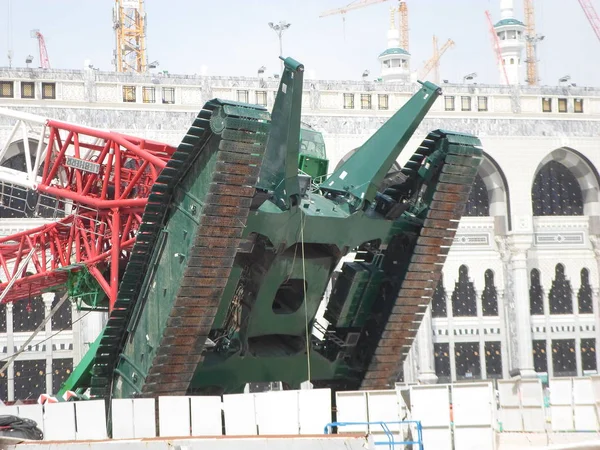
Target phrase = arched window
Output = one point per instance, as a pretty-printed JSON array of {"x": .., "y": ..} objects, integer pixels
[
  {"x": 536, "y": 294},
  {"x": 438, "y": 301},
  {"x": 584, "y": 296},
  {"x": 560, "y": 296},
  {"x": 478, "y": 204},
  {"x": 556, "y": 192},
  {"x": 489, "y": 298},
  {"x": 17, "y": 202},
  {"x": 464, "y": 297}
]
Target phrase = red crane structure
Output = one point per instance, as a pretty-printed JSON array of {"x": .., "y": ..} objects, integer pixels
[
  {"x": 97, "y": 181},
  {"x": 592, "y": 15},
  {"x": 44, "y": 60},
  {"x": 496, "y": 44}
]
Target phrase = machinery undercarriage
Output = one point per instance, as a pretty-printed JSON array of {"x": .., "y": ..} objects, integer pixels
[{"x": 213, "y": 259}]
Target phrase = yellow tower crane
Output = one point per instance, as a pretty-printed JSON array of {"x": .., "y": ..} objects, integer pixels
[
  {"x": 434, "y": 62},
  {"x": 129, "y": 23},
  {"x": 531, "y": 43},
  {"x": 402, "y": 9}
]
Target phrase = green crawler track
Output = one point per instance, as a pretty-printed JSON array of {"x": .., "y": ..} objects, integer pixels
[{"x": 234, "y": 156}]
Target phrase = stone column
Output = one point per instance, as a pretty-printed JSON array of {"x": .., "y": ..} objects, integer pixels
[
  {"x": 518, "y": 320},
  {"x": 426, "y": 359},
  {"x": 524, "y": 347},
  {"x": 10, "y": 350},
  {"x": 48, "y": 298},
  {"x": 504, "y": 353}
]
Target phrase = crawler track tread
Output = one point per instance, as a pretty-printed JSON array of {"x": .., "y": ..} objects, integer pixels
[
  {"x": 449, "y": 199},
  {"x": 224, "y": 215}
]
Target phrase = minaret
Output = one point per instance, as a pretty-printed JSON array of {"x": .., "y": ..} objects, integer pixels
[
  {"x": 511, "y": 34},
  {"x": 395, "y": 61}
]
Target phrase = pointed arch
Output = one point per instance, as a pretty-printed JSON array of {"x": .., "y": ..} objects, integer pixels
[
  {"x": 582, "y": 172},
  {"x": 491, "y": 181}
]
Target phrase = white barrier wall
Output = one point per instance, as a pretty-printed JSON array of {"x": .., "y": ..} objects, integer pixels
[
  {"x": 461, "y": 416},
  {"x": 474, "y": 411},
  {"x": 521, "y": 405},
  {"x": 431, "y": 405}
]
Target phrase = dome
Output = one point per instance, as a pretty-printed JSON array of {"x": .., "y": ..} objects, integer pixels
[
  {"x": 505, "y": 22},
  {"x": 394, "y": 51}
]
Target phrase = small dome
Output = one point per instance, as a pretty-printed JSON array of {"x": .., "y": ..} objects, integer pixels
[
  {"x": 394, "y": 51},
  {"x": 505, "y": 22}
]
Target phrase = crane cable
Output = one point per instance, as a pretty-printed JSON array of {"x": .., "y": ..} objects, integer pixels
[{"x": 306, "y": 330}]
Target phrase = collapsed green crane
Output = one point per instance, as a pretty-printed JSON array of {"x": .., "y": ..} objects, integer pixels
[{"x": 238, "y": 247}]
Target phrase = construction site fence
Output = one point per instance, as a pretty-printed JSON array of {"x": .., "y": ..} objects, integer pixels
[{"x": 450, "y": 416}]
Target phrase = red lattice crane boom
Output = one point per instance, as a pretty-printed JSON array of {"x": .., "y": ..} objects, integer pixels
[
  {"x": 592, "y": 16},
  {"x": 99, "y": 181},
  {"x": 44, "y": 60},
  {"x": 496, "y": 44}
]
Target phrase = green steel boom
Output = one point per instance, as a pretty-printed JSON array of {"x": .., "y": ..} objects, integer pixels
[{"x": 238, "y": 248}]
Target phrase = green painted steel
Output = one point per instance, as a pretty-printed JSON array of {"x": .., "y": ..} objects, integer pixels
[
  {"x": 238, "y": 248},
  {"x": 362, "y": 174}
]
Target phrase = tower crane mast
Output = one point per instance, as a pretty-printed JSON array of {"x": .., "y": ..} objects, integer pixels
[
  {"x": 531, "y": 38},
  {"x": 129, "y": 23},
  {"x": 434, "y": 62},
  {"x": 402, "y": 9},
  {"x": 592, "y": 16}
]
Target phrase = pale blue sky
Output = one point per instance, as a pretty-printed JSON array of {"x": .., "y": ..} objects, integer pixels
[{"x": 231, "y": 37}]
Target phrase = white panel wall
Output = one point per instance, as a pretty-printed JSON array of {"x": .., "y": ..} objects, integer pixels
[
  {"x": 474, "y": 409},
  {"x": 431, "y": 405}
]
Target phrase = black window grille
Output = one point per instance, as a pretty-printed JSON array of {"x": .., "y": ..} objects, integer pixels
[
  {"x": 493, "y": 359},
  {"x": 489, "y": 298},
  {"x": 464, "y": 297},
  {"x": 540, "y": 357},
  {"x": 563, "y": 358},
  {"x": 478, "y": 204},
  {"x": 467, "y": 359},
  {"x": 536, "y": 294},
  {"x": 441, "y": 354},
  {"x": 556, "y": 192},
  {"x": 584, "y": 296},
  {"x": 588, "y": 354},
  {"x": 438, "y": 300},
  {"x": 560, "y": 296},
  {"x": 30, "y": 379}
]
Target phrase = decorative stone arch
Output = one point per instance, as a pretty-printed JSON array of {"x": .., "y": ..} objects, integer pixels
[
  {"x": 492, "y": 177},
  {"x": 17, "y": 147},
  {"x": 584, "y": 172}
]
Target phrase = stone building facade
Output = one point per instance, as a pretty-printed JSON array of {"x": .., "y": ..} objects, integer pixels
[{"x": 520, "y": 286}]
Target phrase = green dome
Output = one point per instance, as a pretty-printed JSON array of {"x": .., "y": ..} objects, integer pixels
[
  {"x": 394, "y": 51},
  {"x": 504, "y": 22}
]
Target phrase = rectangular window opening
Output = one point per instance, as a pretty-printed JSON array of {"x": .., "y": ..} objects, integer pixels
[
  {"x": 546, "y": 104},
  {"x": 578, "y": 105},
  {"x": 449, "y": 103},
  {"x": 129, "y": 94},
  {"x": 149, "y": 94},
  {"x": 348, "y": 101},
  {"x": 493, "y": 359},
  {"x": 242, "y": 96},
  {"x": 261, "y": 98},
  {"x": 7, "y": 89},
  {"x": 465, "y": 103},
  {"x": 168, "y": 94},
  {"x": 365, "y": 101},
  {"x": 562, "y": 105},
  {"x": 49, "y": 91},
  {"x": 468, "y": 364},
  {"x": 482, "y": 103},
  {"x": 441, "y": 354},
  {"x": 383, "y": 101},
  {"x": 27, "y": 89}
]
